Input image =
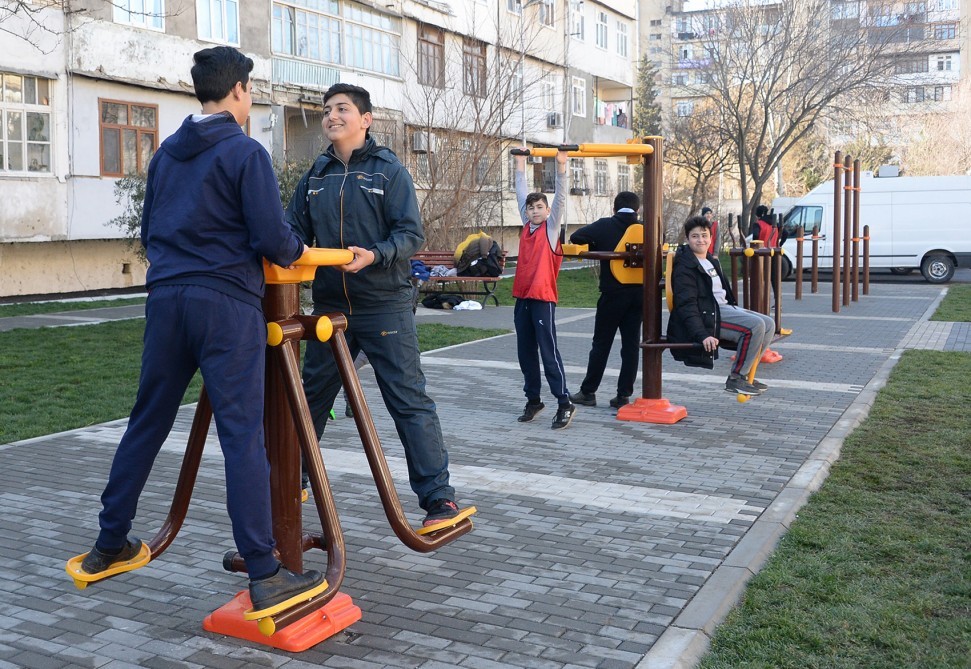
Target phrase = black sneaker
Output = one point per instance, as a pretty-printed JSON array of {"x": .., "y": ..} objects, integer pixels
[
  {"x": 758, "y": 384},
  {"x": 619, "y": 401},
  {"x": 740, "y": 385},
  {"x": 439, "y": 510},
  {"x": 529, "y": 413},
  {"x": 96, "y": 561},
  {"x": 564, "y": 416},
  {"x": 280, "y": 587},
  {"x": 349, "y": 411},
  {"x": 586, "y": 399}
]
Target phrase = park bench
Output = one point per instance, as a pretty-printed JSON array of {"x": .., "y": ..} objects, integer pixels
[{"x": 480, "y": 287}]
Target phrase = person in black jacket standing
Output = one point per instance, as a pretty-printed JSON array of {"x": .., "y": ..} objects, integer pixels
[
  {"x": 360, "y": 197},
  {"x": 705, "y": 311},
  {"x": 620, "y": 306}
]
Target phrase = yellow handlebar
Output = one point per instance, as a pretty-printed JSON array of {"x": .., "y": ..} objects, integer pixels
[{"x": 306, "y": 265}]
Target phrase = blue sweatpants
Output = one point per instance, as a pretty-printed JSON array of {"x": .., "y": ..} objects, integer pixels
[
  {"x": 390, "y": 342},
  {"x": 189, "y": 328},
  {"x": 535, "y": 340}
]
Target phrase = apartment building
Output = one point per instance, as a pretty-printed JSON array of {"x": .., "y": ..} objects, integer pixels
[
  {"x": 928, "y": 42},
  {"x": 94, "y": 87}
]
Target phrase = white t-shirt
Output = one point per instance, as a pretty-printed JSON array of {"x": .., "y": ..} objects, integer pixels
[{"x": 716, "y": 283}]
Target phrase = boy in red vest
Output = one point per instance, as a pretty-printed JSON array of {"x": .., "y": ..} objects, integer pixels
[{"x": 534, "y": 288}]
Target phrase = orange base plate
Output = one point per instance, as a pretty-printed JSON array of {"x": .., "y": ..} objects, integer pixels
[
  {"x": 338, "y": 614},
  {"x": 644, "y": 410}
]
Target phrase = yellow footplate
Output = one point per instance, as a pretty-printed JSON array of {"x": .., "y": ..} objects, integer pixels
[
  {"x": 299, "y": 598},
  {"x": 448, "y": 522},
  {"x": 82, "y": 578}
]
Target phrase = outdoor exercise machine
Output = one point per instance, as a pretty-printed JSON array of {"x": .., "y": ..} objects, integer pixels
[{"x": 289, "y": 433}]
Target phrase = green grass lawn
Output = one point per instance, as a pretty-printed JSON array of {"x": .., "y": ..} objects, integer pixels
[
  {"x": 576, "y": 288},
  {"x": 31, "y": 308},
  {"x": 57, "y": 379},
  {"x": 876, "y": 570},
  {"x": 956, "y": 305}
]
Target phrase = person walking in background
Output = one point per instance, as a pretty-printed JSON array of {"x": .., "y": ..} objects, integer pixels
[
  {"x": 710, "y": 217},
  {"x": 534, "y": 287},
  {"x": 620, "y": 307},
  {"x": 211, "y": 214},
  {"x": 360, "y": 197}
]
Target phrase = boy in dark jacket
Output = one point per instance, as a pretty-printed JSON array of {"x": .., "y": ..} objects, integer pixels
[
  {"x": 620, "y": 306},
  {"x": 360, "y": 197},
  {"x": 705, "y": 311},
  {"x": 211, "y": 214}
]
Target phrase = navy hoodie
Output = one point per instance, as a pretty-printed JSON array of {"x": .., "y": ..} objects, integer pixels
[
  {"x": 212, "y": 211},
  {"x": 605, "y": 234}
]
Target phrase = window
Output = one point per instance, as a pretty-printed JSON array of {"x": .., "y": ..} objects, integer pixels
[
  {"x": 945, "y": 30},
  {"x": 218, "y": 20},
  {"x": 344, "y": 33},
  {"x": 685, "y": 108},
  {"x": 913, "y": 94},
  {"x": 129, "y": 137},
  {"x": 623, "y": 177},
  {"x": 516, "y": 83},
  {"x": 655, "y": 23},
  {"x": 431, "y": 56},
  {"x": 910, "y": 66},
  {"x": 142, "y": 13},
  {"x": 474, "y": 67},
  {"x": 576, "y": 21},
  {"x": 549, "y": 93},
  {"x": 578, "y": 180},
  {"x": 602, "y": 30},
  {"x": 943, "y": 63},
  {"x": 25, "y": 123},
  {"x": 622, "y": 39},
  {"x": 514, "y": 6},
  {"x": 655, "y": 37},
  {"x": 547, "y": 12},
  {"x": 600, "y": 177},
  {"x": 483, "y": 170},
  {"x": 579, "y": 91},
  {"x": 942, "y": 93}
]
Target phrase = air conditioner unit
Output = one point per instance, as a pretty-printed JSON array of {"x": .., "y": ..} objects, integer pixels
[
  {"x": 554, "y": 120},
  {"x": 536, "y": 160},
  {"x": 423, "y": 142}
]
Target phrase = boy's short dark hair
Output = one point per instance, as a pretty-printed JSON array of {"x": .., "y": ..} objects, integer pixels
[
  {"x": 705, "y": 210},
  {"x": 696, "y": 222},
  {"x": 217, "y": 70},
  {"x": 761, "y": 210},
  {"x": 359, "y": 96},
  {"x": 627, "y": 200},
  {"x": 535, "y": 197}
]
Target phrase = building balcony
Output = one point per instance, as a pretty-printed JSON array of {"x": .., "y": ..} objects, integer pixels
[{"x": 303, "y": 73}]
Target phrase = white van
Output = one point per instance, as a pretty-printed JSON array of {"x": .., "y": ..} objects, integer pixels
[{"x": 915, "y": 223}]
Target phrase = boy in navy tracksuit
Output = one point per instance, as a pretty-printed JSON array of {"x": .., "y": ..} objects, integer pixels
[{"x": 211, "y": 214}]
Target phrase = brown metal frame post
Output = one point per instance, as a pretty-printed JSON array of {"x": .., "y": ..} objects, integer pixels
[
  {"x": 847, "y": 226},
  {"x": 866, "y": 259},
  {"x": 800, "y": 239},
  {"x": 837, "y": 229},
  {"x": 282, "y": 301},
  {"x": 651, "y": 369},
  {"x": 814, "y": 285},
  {"x": 856, "y": 230}
]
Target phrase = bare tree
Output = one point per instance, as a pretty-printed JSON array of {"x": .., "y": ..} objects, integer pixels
[
  {"x": 778, "y": 68},
  {"x": 941, "y": 142},
  {"x": 29, "y": 22},
  {"x": 462, "y": 115},
  {"x": 696, "y": 144}
]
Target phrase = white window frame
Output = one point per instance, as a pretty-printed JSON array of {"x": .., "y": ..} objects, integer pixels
[
  {"x": 578, "y": 89},
  {"x": 17, "y": 115},
  {"x": 547, "y": 13},
  {"x": 622, "y": 38},
  {"x": 944, "y": 63},
  {"x": 576, "y": 22},
  {"x": 601, "y": 30},
  {"x": 148, "y": 14},
  {"x": 223, "y": 21},
  {"x": 684, "y": 107},
  {"x": 623, "y": 177},
  {"x": 514, "y": 7},
  {"x": 549, "y": 93},
  {"x": 600, "y": 177}
]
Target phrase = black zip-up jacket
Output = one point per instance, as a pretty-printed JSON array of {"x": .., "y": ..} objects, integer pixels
[
  {"x": 371, "y": 203},
  {"x": 603, "y": 235},
  {"x": 695, "y": 316}
]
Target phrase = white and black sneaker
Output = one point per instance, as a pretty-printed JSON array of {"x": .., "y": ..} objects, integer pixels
[{"x": 564, "y": 416}]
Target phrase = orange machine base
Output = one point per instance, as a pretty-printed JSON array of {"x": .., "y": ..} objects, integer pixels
[
  {"x": 644, "y": 410},
  {"x": 338, "y": 614}
]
